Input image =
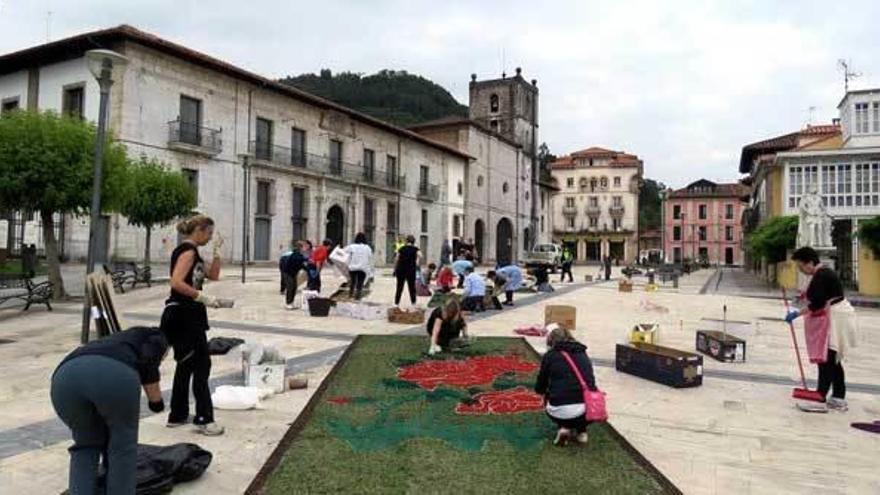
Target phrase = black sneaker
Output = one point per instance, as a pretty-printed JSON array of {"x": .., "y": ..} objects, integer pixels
[{"x": 176, "y": 424}]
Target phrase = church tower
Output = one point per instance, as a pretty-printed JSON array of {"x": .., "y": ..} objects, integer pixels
[{"x": 508, "y": 106}]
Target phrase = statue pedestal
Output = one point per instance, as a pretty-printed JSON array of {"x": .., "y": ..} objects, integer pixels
[{"x": 825, "y": 257}]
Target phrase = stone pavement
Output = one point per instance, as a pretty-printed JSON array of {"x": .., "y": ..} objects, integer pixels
[{"x": 738, "y": 433}]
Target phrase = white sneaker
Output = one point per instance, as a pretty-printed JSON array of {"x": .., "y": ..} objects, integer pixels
[
  {"x": 289, "y": 306},
  {"x": 582, "y": 438},
  {"x": 837, "y": 405},
  {"x": 210, "y": 429},
  {"x": 562, "y": 436}
]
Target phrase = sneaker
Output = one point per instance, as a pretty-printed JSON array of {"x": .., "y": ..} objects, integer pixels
[
  {"x": 837, "y": 405},
  {"x": 289, "y": 306},
  {"x": 812, "y": 407},
  {"x": 210, "y": 429},
  {"x": 582, "y": 438},
  {"x": 562, "y": 436},
  {"x": 176, "y": 424}
]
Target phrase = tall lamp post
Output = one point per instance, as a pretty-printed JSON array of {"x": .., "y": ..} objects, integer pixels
[{"x": 105, "y": 66}]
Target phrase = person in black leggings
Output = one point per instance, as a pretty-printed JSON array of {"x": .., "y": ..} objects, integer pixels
[
  {"x": 405, "y": 269},
  {"x": 185, "y": 323}
]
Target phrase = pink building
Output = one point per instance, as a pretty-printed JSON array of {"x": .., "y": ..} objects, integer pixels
[{"x": 703, "y": 222}]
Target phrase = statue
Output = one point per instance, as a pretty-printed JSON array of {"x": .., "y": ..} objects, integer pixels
[{"x": 814, "y": 224}]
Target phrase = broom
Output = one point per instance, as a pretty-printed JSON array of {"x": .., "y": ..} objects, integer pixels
[{"x": 800, "y": 393}]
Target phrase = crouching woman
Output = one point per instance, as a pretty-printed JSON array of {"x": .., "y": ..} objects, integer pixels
[
  {"x": 557, "y": 382},
  {"x": 444, "y": 325}
]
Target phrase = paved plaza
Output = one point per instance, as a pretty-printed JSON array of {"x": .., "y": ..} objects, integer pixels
[{"x": 738, "y": 433}]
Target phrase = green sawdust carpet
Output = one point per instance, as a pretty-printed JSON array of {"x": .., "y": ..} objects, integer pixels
[{"x": 390, "y": 419}]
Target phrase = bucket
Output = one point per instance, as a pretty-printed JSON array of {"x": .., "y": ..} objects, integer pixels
[{"x": 319, "y": 306}]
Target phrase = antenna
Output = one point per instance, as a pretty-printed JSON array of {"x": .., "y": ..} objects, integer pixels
[
  {"x": 848, "y": 73},
  {"x": 48, "y": 21}
]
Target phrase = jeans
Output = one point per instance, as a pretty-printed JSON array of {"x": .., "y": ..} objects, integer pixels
[
  {"x": 410, "y": 280},
  {"x": 290, "y": 287},
  {"x": 98, "y": 398},
  {"x": 831, "y": 377},
  {"x": 508, "y": 297},
  {"x": 356, "y": 286},
  {"x": 195, "y": 366},
  {"x": 473, "y": 303}
]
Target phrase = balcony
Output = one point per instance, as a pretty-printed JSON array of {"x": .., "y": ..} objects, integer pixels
[
  {"x": 593, "y": 211},
  {"x": 193, "y": 138},
  {"x": 569, "y": 211},
  {"x": 616, "y": 211},
  {"x": 428, "y": 192}
]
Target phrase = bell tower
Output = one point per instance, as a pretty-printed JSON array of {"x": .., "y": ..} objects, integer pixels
[{"x": 508, "y": 106}]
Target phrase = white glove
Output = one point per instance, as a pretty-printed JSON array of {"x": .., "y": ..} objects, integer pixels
[
  {"x": 434, "y": 349},
  {"x": 208, "y": 300},
  {"x": 218, "y": 244}
]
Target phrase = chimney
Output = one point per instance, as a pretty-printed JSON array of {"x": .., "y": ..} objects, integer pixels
[
  {"x": 835, "y": 121},
  {"x": 518, "y": 71},
  {"x": 473, "y": 78},
  {"x": 535, "y": 82},
  {"x": 503, "y": 75}
]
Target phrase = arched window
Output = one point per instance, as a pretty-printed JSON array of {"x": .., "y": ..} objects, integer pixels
[
  {"x": 504, "y": 188},
  {"x": 493, "y": 103}
]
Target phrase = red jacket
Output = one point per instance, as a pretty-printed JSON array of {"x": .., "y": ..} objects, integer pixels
[
  {"x": 445, "y": 277},
  {"x": 319, "y": 256}
]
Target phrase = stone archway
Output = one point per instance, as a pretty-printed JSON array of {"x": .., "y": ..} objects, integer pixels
[
  {"x": 504, "y": 242},
  {"x": 336, "y": 225}
]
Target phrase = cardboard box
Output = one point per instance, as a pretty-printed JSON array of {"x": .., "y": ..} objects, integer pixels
[
  {"x": 645, "y": 333},
  {"x": 664, "y": 365},
  {"x": 625, "y": 286},
  {"x": 720, "y": 346},
  {"x": 565, "y": 316},
  {"x": 269, "y": 375},
  {"x": 412, "y": 316}
]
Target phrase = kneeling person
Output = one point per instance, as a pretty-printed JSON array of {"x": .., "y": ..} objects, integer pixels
[
  {"x": 444, "y": 325},
  {"x": 474, "y": 291}
]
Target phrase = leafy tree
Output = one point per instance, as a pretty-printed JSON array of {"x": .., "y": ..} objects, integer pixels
[
  {"x": 545, "y": 158},
  {"x": 650, "y": 204},
  {"x": 46, "y": 166},
  {"x": 869, "y": 233},
  {"x": 155, "y": 196},
  {"x": 774, "y": 238},
  {"x": 394, "y": 96}
]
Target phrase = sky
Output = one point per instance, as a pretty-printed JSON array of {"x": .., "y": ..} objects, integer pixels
[{"x": 682, "y": 84}]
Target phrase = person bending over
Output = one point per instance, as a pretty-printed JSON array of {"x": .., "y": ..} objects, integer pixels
[{"x": 445, "y": 324}]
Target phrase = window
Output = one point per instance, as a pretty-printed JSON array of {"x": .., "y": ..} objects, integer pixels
[
  {"x": 728, "y": 233},
  {"x": 703, "y": 212},
  {"x": 676, "y": 212},
  {"x": 423, "y": 179},
  {"x": 701, "y": 232},
  {"x": 192, "y": 178},
  {"x": 493, "y": 103},
  {"x": 369, "y": 219},
  {"x": 704, "y": 253},
  {"x": 676, "y": 233},
  {"x": 728, "y": 212},
  {"x": 603, "y": 182},
  {"x": 569, "y": 183},
  {"x": 456, "y": 226},
  {"x": 676, "y": 255},
  {"x": 190, "y": 120},
  {"x": 876, "y": 106},
  {"x": 335, "y": 157},
  {"x": 298, "y": 212},
  {"x": 73, "y": 101},
  {"x": 391, "y": 171},
  {"x": 480, "y": 181},
  {"x": 425, "y": 221},
  {"x": 617, "y": 182},
  {"x": 9, "y": 105},
  {"x": 493, "y": 124},
  {"x": 369, "y": 164},
  {"x": 297, "y": 147},
  {"x": 617, "y": 201},
  {"x": 504, "y": 188},
  {"x": 460, "y": 188},
  {"x": 594, "y": 222},
  {"x": 569, "y": 202},
  {"x": 569, "y": 222},
  {"x": 615, "y": 223},
  {"x": 593, "y": 201},
  {"x": 593, "y": 184},
  {"x": 391, "y": 217},
  {"x": 542, "y": 223},
  {"x": 264, "y": 189},
  {"x": 263, "y": 149},
  {"x": 861, "y": 118}
]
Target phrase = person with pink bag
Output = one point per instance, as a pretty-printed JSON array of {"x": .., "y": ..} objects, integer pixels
[
  {"x": 568, "y": 385},
  {"x": 829, "y": 326}
]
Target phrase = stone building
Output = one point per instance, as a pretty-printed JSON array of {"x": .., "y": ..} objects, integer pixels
[
  {"x": 596, "y": 210},
  {"x": 702, "y": 221},
  {"x": 315, "y": 169}
]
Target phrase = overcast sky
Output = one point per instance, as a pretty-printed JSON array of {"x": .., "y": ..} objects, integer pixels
[{"x": 684, "y": 86}]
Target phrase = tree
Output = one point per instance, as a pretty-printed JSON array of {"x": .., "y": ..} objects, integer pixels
[
  {"x": 869, "y": 233},
  {"x": 155, "y": 196},
  {"x": 46, "y": 166},
  {"x": 650, "y": 204},
  {"x": 774, "y": 238}
]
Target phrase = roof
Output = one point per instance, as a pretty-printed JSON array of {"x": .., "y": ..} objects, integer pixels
[
  {"x": 709, "y": 189},
  {"x": 75, "y": 46},
  {"x": 457, "y": 121},
  {"x": 857, "y": 92},
  {"x": 618, "y": 158},
  {"x": 784, "y": 142}
]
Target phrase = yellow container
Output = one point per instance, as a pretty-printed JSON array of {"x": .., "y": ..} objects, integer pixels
[{"x": 647, "y": 333}]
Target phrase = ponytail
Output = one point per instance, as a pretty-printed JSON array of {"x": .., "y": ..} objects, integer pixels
[{"x": 189, "y": 225}]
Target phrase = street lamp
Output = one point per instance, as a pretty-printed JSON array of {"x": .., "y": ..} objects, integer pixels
[{"x": 105, "y": 66}]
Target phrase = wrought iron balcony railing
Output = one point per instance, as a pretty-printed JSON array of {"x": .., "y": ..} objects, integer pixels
[
  {"x": 430, "y": 192},
  {"x": 199, "y": 138},
  {"x": 616, "y": 211},
  {"x": 593, "y": 211},
  {"x": 569, "y": 211}
]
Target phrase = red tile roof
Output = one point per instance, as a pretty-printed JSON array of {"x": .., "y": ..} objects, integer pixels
[
  {"x": 732, "y": 190},
  {"x": 784, "y": 142},
  {"x": 618, "y": 158}
]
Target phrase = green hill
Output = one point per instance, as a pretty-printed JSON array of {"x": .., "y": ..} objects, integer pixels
[{"x": 395, "y": 96}]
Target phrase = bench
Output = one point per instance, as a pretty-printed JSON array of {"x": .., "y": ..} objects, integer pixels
[
  {"x": 118, "y": 276},
  {"x": 20, "y": 286}
]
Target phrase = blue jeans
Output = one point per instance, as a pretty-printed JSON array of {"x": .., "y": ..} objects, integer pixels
[{"x": 98, "y": 398}]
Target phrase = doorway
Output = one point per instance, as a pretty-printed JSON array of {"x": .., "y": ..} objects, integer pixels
[
  {"x": 504, "y": 242},
  {"x": 616, "y": 250},
  {"x": 262, "y": 238},
  {"x": 594, "y": 251},
  {"x": 728, "y": 256},
  {"x": 479, "y": 235},
  {"x": 336, "y": 225}
]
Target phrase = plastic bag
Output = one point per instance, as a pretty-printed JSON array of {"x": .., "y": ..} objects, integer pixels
[
  {"x": 238, "y": 398},
  {"x": 252, "y": 354}
]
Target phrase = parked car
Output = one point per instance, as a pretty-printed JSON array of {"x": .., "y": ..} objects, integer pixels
[{"x": 549, "y": 255}]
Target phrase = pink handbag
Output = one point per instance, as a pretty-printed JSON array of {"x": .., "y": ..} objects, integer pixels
[
  {"x": 817, "y": 329},
  {"x": 594, "y": 401}
]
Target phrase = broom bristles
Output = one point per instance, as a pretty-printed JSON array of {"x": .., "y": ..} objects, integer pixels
[{"x": 806, "y": 394}]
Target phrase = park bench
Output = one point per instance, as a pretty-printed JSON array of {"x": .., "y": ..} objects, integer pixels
[
  {"x": 124, "y": 273},
  {"x": 20, "y": 286},
  {"x": 141, "y": 275}
]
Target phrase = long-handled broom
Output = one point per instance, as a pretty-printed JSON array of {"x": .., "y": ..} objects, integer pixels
[{"x": 800, "y": 393}]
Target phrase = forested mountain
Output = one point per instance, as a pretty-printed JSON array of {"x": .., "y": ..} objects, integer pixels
[{"x": 394, "y": 96}]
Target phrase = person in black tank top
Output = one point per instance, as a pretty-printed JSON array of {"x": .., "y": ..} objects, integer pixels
[
  {"x": 405, "y": 269},
  {"x": 185, "y": 323}
]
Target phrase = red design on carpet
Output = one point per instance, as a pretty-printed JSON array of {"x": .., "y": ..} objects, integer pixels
[
  {"x": 478, "y": 370},
  {"x": 339, "y": 401},
  {"x": 510, "y": 401}
]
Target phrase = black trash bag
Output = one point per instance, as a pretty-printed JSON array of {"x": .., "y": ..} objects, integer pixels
[
  {"x": 160, "y": 468},
  {"x": 222, "y": 345}
]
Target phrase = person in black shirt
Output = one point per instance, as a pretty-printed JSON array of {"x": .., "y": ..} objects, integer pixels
[
  {"x": 406, "y": 267},
  {"x": 185, "y": 323},
  {"x": 824, "y": 296},
  {"x": 96, "y": 393},
  {"x": 444, "y": 325},
  {"x": 563, "y": 395}
]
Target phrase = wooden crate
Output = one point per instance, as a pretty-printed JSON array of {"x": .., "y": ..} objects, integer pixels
[
  {"x": 720, "y": 346},
  {"x": 625, "y": 286},
  {"x": 659, "y": 364},
  {"x": 412, "y": 316}
]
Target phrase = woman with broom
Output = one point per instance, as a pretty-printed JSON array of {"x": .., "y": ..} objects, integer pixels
[{"x": 830, "y": 327}]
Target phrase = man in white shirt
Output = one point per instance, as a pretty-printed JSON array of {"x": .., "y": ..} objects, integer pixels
[{"x": 474, "y": 291}]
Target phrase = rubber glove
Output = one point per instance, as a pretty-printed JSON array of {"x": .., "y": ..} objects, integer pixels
[
  {"x": 208, "y": 300},
  {"x": 791, "y": 315},
  {"x": 218, "y": 243},
  {"x": 434, "y": 349},
  {"x": 157, "y": 406}
]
